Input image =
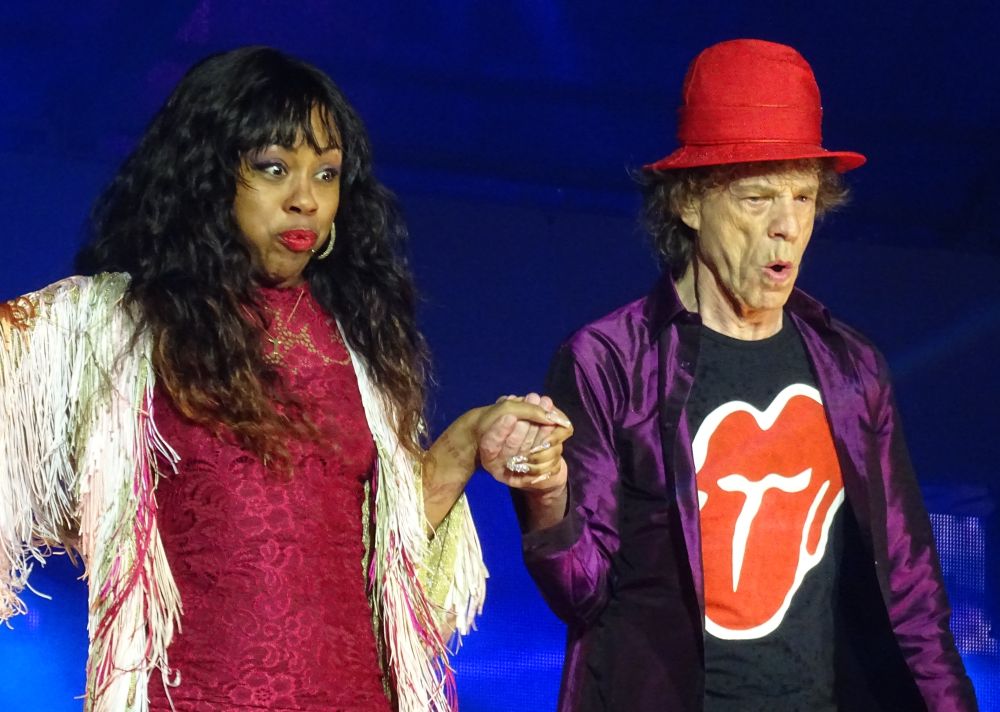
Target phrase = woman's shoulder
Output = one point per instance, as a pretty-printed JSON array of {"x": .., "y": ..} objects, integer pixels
[
  {"x": 90, "y": 292},
  {"x": 106, "y": 284},
  {"x": 113, "y": 283}
]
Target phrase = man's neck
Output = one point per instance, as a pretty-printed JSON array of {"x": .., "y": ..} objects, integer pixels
[{"x": 725, "y": 316}]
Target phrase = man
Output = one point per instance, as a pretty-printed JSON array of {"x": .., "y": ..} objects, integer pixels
[{"x": 740, "y": 527}]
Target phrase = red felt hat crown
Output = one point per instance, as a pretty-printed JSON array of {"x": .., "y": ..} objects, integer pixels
[{"x": 747, "y": 101}]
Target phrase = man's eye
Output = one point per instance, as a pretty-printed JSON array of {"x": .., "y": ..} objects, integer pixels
[
  {"x": 805, "y": 198},
  {"x": 755, "y": 200}
]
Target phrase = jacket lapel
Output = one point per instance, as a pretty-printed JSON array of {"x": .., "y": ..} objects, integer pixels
[
  {"x": 678, "y": 352},
  {"x": 842, "y": 391}
]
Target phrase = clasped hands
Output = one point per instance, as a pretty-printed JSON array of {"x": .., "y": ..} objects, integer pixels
[
  {"x": 518, "y": 440},
  {"x": 522, "y": 446}
]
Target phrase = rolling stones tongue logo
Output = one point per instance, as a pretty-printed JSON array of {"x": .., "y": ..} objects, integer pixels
[{"x": 768, "y": 486}]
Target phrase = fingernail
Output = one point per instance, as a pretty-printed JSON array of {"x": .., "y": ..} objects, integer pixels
[
  {"x": 538, "y": 448},
  {"x": 540, "y": 478},
  {"x": 558, "y": 420}
]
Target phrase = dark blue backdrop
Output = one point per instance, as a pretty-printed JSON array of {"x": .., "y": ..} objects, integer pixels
[{"x": 508, "y": 130}]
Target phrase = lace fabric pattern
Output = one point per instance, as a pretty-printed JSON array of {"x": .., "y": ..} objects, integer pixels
[
  {"x": 270, "y": 569},
  {"x": 75, "y": 377}
]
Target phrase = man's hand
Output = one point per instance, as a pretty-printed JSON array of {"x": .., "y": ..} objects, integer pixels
[
  {"x": 525, "y": 454},
  {"x": 495, "y": 437}
]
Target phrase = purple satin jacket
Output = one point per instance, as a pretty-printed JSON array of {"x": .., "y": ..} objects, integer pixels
[{"x": 623, "y": 569}]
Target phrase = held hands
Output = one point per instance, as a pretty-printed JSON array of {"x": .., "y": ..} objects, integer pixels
[
  {"x": 526, "y": 452},
  {"x": 517, "y": 440},
  {"x": 526, "y": 455}
]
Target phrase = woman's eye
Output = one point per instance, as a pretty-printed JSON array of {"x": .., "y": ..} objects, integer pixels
[
  {"x": 270, "y": 168},
  {"x": 329, "y": 175}
]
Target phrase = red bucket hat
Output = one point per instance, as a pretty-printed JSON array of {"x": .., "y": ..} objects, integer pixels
[{"x": 748, "y": 101}]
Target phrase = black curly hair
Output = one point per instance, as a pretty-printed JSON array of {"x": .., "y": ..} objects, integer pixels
[{"x": 166, "y": 219}]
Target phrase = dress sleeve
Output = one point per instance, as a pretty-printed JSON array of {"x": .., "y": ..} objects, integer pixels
[
  {"x": 918, "y": 604},
  {"x": 40, "y": 366},
  {"x": 571, "y": 560}
]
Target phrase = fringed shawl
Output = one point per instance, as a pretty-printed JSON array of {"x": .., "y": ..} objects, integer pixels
[{"x": 78, "y": 446}]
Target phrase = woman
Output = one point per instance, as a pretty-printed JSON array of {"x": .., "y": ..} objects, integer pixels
[{"x": 224, "y": 420}]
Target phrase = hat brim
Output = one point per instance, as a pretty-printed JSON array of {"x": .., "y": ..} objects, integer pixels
[{"x": 728, "y": 154}]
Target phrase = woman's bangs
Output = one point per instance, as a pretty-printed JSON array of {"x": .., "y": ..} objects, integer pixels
[{"x": 289, "y": 122}]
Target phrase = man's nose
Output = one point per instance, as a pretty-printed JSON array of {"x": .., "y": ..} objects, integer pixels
[{"x": 785, "y": 223}]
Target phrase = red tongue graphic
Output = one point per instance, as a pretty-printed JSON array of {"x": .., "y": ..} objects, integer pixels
[{"x": 769, "y": 493}]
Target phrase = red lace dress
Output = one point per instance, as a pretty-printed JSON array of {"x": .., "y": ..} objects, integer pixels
[{"x": 270, "y": 569}]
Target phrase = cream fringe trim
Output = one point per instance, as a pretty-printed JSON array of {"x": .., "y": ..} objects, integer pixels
[
  {"x": 415, "y": 627},
  {"x": 77, "y": 452},
  {"x": 78, "y": 439}
]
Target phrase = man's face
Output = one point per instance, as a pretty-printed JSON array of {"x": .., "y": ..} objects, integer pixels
[{"x": 752, "y": 234}]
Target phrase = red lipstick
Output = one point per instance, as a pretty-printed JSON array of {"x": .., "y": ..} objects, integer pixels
[{"x": 298, "y": 240}]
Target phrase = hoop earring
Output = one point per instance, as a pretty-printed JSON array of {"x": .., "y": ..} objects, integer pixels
[{"x": 329, "y": 243}]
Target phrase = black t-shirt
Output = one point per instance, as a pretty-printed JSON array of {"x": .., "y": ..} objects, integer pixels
[{"x": 770, "y": 489}]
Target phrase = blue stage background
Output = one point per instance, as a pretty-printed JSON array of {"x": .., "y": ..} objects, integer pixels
[{"x": 508, "y": 130}]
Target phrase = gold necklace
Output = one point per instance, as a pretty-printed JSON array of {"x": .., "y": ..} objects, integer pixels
[
  {"x": 278, "y": 341},
  {"x": 284, "y": 339}
]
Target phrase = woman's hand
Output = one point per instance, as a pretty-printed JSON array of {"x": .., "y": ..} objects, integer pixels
[
  {"x": 524, "y": 454},
  {"x": 529, "y": 459},
  {"x": 492, "y": 435}
]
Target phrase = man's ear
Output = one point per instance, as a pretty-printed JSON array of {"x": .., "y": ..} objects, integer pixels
[{"x": 690, "y": 213}]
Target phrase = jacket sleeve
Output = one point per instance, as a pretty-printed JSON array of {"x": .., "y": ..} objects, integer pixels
[
  {"x": 571, "y": 560},
  {"x": 41, "y": 349},
  {"x": 452, "y": 570},
  {"x": 911, "y": 575}
]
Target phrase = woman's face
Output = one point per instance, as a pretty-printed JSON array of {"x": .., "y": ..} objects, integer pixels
[{"x": 286, "y": 200}]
